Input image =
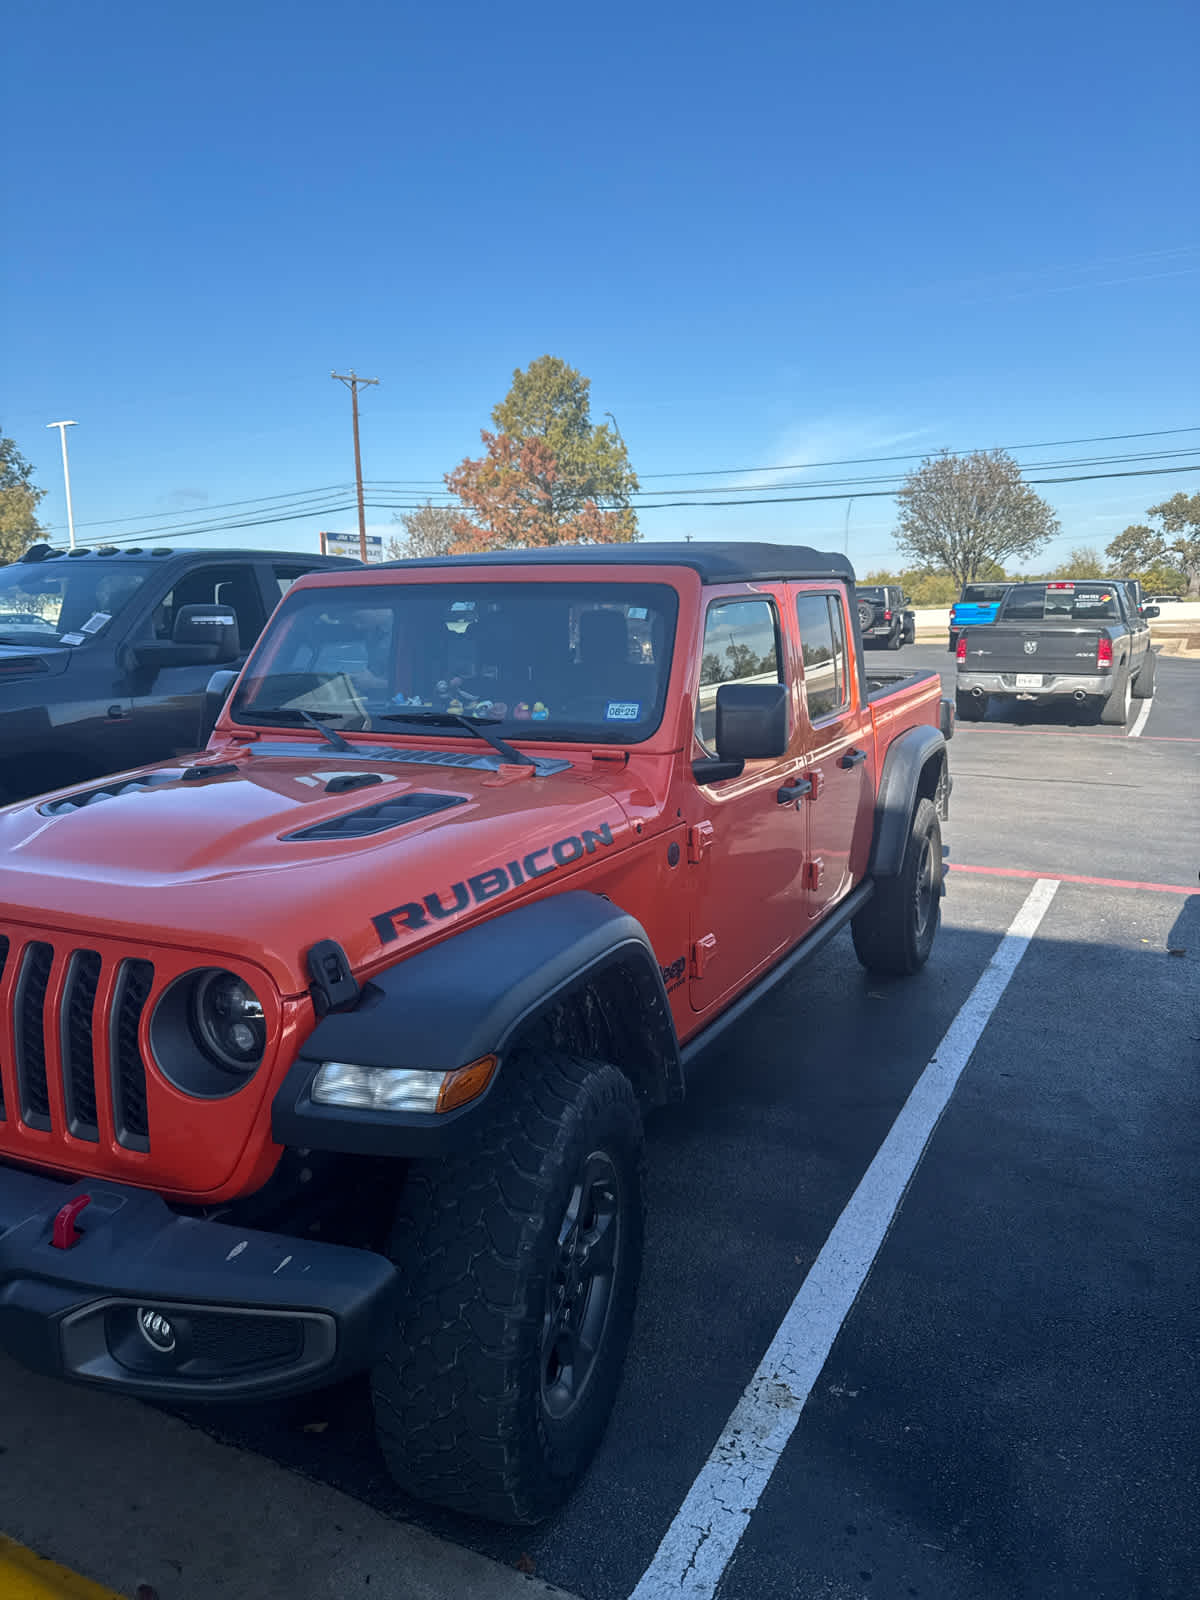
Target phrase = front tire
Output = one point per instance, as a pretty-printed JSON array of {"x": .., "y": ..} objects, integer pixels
[
  {"x": 520, "y": 1257},
  {"x": 895, "y": 930},
  {"x": 1143, "y": 684}
]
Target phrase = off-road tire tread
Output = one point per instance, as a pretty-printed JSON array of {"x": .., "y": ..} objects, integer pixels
[
  {"x": 882, "y": 931},
  {"x": 453, "y": 1412}
]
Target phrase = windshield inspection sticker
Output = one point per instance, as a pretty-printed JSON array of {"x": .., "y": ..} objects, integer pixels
[
  {"x": 623, "y": 711},
  {"x": 96, "y": 621},
  {"x": 72, "y": 638}
]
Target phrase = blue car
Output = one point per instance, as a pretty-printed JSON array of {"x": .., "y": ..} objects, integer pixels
[{"x": 975, "y": 607}]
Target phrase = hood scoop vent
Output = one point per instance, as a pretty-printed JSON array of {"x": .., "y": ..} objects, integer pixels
[
  {"x": 149, "y": 780},
  {"x": 387, "y": 814},
  {"x": 91, "y": 797}
]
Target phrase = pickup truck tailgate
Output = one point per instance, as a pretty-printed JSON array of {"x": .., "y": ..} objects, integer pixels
[{"x": 1060, "y": 650}]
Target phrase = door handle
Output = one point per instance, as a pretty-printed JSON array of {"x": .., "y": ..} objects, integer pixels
[
  {"x": 794, "y": 791},
  {"x": 853, "y": 758}
]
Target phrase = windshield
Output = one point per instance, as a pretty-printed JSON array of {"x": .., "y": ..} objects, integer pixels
[
  {"x": 555, "y": 661},
  {"x": 1069, "y": 602},
  {"x": 985, "y": 593},
  {"x": 40, "y": 602}
]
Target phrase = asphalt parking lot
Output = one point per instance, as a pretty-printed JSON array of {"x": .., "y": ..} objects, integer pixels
[{"x": 1009, "y": 1408}]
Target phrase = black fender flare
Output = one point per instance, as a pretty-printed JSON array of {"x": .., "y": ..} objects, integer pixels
[
  {"x": 469, "y": 996},
  {"x": 907, "y": 759}
]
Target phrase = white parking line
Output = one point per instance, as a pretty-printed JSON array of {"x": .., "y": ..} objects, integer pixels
[
  {"x": 701, "y": 1540},
  {"x": 1139, "y": 722}
]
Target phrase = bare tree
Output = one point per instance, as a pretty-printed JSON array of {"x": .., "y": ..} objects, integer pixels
[
  {"x": 962, "y": 513},
  {"x": 428, "y": 531}
]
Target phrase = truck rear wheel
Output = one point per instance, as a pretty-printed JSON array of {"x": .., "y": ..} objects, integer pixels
[
  {"x": 519, "y": 1257},
  {"x": 1115, "y": 710},
  {"x": 896, "y": 637},
  {"x": 1143, "y": 684},
  {"x": 894, "y": 931}
]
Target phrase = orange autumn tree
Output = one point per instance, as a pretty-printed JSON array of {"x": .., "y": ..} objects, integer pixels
[{"x": 549, "y": 475}]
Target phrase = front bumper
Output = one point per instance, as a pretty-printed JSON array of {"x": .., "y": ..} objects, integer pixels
[
  {"x": 247, "y": 1314},
  {"x": 1054, "y": 686}
]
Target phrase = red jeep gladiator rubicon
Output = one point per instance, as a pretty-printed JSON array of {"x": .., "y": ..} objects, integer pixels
[{"x": 327, "y": 1050}]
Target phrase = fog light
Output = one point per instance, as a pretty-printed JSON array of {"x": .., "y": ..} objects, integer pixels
[
  {"x": 157, "y": 1330},
  {"x": 344, "y": 1083}
]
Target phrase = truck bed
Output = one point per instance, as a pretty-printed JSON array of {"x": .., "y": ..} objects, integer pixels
[{"x": 901, "y": 700}]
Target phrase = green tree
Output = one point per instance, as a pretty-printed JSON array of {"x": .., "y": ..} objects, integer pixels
[
  {"x": 428, "y": 531},
  {"x": 1173, "y": 546},
  {"x": 963, "y": 514},
  {"x": 1085, "y": 561},
  {"x": 550, "y": 475},
  {"x": 19, "y": 499}
]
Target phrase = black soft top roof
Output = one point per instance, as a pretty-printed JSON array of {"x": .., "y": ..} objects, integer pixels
[{"x": 725, "y": 562}]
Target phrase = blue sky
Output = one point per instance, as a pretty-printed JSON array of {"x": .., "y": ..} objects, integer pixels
[{"x": 768, "y": 233}]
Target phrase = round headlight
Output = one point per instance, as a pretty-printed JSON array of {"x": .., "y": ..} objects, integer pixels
[
  {"x": 227, "y": 1020},
  {"x": 208, "y": 1033}
]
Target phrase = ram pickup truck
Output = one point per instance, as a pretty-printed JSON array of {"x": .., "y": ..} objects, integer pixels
[
  {"x": 326, "y": 1050},
  {"x": 884, "y": 615},
  {"x": 1082, "y": 641},
  {"x": 975, "y": 607},
  {"x": 105, "y": 654}
]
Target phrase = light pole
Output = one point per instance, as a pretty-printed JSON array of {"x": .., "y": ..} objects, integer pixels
[
  {"x": 846, "y": 529},
  {"x": 62, "y": 433}
]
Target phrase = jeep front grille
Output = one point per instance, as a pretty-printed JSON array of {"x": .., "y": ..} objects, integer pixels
[{"x": 70, "y": 1057}]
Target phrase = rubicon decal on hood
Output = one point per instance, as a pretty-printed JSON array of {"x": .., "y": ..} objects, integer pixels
[{"x": 437, "y": 906}]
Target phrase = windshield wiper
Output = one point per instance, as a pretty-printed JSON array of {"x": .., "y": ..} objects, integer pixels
[
  {"x": 477, "y": 725},
  {"x": 298, "y": 714}
]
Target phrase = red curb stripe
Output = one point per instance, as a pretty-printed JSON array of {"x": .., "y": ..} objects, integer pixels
[
  {"x": 1072, "y": 877},
  {"x": 1075, "y": 733}
]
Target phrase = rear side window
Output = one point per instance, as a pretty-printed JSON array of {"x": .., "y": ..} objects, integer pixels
[
  {"x": 984, "y": 593},
  {"x": 823, "y": 649},
  {"x": 741, "y": 645}
]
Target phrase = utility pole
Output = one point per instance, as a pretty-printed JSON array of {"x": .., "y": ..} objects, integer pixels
[
  {"x": 352, "y": 382},
  {"x": 62, "y": 433}
]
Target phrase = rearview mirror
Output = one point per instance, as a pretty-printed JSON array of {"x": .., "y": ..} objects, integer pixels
[{"x": 752, "y": 721}]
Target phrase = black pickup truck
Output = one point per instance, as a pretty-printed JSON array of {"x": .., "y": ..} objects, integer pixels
[
  {"x": 105, "y": 655},
  {"x": 1083, "y": 641}
]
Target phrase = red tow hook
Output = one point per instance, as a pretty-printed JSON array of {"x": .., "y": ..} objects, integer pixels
[{"x": 65, "y": 1232}]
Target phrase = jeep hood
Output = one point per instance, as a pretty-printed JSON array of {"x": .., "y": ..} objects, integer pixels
[{"x": 261, "y": 852}]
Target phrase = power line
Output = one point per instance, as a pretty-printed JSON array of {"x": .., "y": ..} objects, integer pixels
[
  {"x": 889, "y": 494},
  {"x": 916, "y": 455},
  {"x": 327, "y": 500}
]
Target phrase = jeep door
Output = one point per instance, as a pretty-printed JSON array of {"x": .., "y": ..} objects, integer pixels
[
  {"x": 748, "y": 847},
  {"x": 836, "y": 759}
]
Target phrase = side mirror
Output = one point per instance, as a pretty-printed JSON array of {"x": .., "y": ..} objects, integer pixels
[
  {"x": 208, "y": 627},
  {"x": 752, "y": 721},
  {"x": 215, "y": 696},
  {"x": 1149, "y": 611},
  {"x": 202, "y": 636}
]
